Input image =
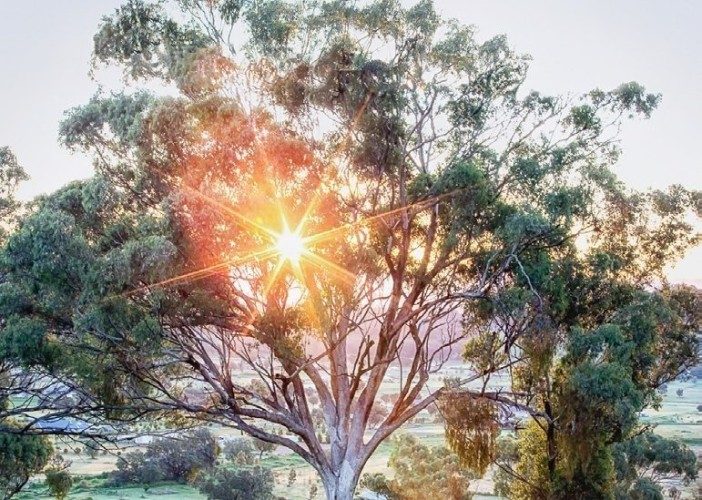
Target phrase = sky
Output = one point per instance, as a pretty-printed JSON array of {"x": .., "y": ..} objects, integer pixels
[{"x": 45, "y": 50}]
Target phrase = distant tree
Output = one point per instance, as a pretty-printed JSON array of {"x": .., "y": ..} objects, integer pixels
[
  {"x": 263, "y": 446},
  {"x": 91, "y": 451},
  {"x": 377, "y": 416},
  {"x": 313, "y": 491},
  {"x": 242, "y": 483},
  {"x": 134, "y": 467},
  {"x": 420, "y": 472},
  {"x": 680, "y": 392},
  {"x": 171, "y": 459},
  {"x": 292, "y": 476},
  {"x": 239, "y": 449},
  {"x": 59, "y": 483},
  {"x": 183, "y": 457}
]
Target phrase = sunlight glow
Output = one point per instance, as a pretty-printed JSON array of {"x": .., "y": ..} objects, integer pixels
[{"x": 290, "y": 245}]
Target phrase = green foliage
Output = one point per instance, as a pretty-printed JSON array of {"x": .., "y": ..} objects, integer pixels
[
  {"x": 595, "y": 386},
  {"x": 142, "y": 37},
  {"x": 59, "y": 483},
  {"x": 338, "y": 112},
  {"x": 647, "y": 458},
  {"x": 472, "y": 429},
  {"x": 20, "y": 458},
  {"x": 239, "y": 450},
  {"x": 11, "y": 174},
  {"x": 181, "y": 459},
  {"x": 420, "y": 471},
  {"x": 243, "y": 483},
  {"x": 264, "y": 446},
  {"x": 525, "y": 456}
]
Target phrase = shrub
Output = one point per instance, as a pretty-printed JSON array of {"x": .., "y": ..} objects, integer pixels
[
  {"x": 20, "y": 458},
  {"x": 263, "y": 446},
  {"x": 168, "y": 459},
  {"x": 59, "y": 483},
  {"x": 240, "y": 450},
  {"x": 245, "y": 483}
]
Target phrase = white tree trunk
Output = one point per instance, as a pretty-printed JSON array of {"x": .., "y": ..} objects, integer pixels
[{"x": 343, "y": 485}]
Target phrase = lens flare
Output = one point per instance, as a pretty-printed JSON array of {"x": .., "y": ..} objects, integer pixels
[{"x": 290, "y": 245}]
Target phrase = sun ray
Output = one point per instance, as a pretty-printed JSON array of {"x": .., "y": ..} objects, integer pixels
[
  {"x": 272, "y": 278},
  {"x": 289, "y": 245},
  {"x": 326, "y": 264},
  {"x": 312, "y": 205},
  {"x": 266, "y": 253},
  {"x": 243, "y": 220},
  {"x": 330, "y": 233},
  {"x": 419, "y": 206}
]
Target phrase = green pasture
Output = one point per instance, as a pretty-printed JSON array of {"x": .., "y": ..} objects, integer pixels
[{"x": 678, "y": 418}]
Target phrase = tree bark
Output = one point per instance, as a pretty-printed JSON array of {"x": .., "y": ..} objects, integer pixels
[{"x": 341, "y": 484}]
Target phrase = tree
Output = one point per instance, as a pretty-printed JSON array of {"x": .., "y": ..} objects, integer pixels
[
  {"x": 11, "y": 174},
  {"x": 263, "y": 447},
  {"x": 420, "y": 471},
  {"x": 91, "y": 451},
  {"x": 239, "y": 450},
  {"x": 59, "y": 483},
  {"x": 245, "y": 483},
  {"x": 33, "y": 400},
  {"x": 643, "y": 462},
  {"x": 319, "y": 205},
  {"x": 292, "y": 476},
  {"x": 595, "y": 341},
  {"x": 171, "y": 459},
  {"x": 20, "y": 458},
  {"x": 377, "y": 415}
]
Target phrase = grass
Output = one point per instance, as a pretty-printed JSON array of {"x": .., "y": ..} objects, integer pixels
[
  {"x": 677, "y": 418},
  {"x": 85, "y": 489}
]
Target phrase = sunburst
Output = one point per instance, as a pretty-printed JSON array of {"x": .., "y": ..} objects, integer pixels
[{"x": 292, "y": 247}]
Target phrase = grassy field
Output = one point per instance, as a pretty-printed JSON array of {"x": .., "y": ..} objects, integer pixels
[{"x": 677, "y": 418}]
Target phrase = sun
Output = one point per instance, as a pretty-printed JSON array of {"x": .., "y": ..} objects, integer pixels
[{"x": 290, "y": 246}]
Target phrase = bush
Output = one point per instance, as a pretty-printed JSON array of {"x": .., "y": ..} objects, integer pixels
[
  {"x": 240, "y": 450},
  {"x": 168, "y": 459},
  {"x": 91, "y": 451},
  {"x": 245, "y": 483},
  {"x": 263, "y": 446},
  {"x": 135, "y": 467},
  {"x": 20, "y": 458},
  {"x": 59, "y": 483}
]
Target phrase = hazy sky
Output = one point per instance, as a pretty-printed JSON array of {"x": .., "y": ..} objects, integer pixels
[{"x": 576, "y": 45}]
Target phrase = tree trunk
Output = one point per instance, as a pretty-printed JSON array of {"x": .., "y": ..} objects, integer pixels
[
  {"x": 551, "y": 442},
  {"x": 342, "y": 484}
]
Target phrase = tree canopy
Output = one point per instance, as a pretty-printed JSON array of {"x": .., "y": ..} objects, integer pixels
[{"x": 323, "y": 194}]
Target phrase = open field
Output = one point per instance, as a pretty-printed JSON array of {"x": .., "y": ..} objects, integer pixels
[{"x": 678, "y": 418}]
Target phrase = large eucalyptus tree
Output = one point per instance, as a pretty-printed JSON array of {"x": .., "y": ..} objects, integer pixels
[{"x": 297, "y": 222}]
